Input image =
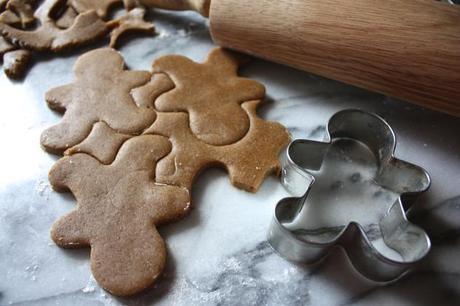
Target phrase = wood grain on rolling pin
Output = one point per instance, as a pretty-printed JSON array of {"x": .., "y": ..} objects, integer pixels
[{"x": 408, "y": 49}]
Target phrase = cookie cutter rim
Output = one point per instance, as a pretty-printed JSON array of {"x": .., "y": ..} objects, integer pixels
[{"x": 352, "y": 238}]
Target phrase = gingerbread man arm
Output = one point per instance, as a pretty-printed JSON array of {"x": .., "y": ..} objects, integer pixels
[
  {"x": 174, "y": 202},
  {"x": 70, "y": 174},
  {"x": 65, "y": 134},
  {"x": 59, "y": 98},
  {"x": 69, "y": 231},
  {"x": 252, "y": 90}
]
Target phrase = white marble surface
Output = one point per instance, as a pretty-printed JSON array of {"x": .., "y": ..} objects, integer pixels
[{"x": 218, "y": 255}]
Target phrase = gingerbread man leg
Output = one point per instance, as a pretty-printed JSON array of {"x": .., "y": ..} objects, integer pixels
[{"x": 128, "y": 260}]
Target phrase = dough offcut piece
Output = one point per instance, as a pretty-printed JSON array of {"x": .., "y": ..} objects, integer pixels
[{"x": 48, "y": 36}]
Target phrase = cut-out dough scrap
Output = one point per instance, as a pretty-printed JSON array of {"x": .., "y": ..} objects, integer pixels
[
  {"x": 102, "y": 143},
  {"x": 118, "y": 207},
  {"x": 102, "y": 7},
  {"x": 5, "y": 46},
  {"x": 100, "y": 92},
  {"x": 23, "y": 10},
  {"x": 15, "y": 63},
  {"x": 211, "y": 93},
  {"x": 247, "y": 161},
  {"x": 131, "y": 22},
  {"x": 146, "y": 95},
  {"x": 48, "y": 36}
]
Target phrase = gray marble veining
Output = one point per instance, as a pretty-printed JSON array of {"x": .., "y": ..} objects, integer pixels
[{"x": 218, "y": 255}]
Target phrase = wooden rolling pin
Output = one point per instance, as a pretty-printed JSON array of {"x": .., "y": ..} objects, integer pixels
[{"x": 409, "y": 49}]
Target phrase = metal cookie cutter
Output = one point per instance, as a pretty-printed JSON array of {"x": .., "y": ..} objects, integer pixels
[{"x": 350, "y": 191}]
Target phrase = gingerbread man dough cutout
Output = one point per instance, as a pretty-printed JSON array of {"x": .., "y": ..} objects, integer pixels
[
  {"x": 100, "y": 92},
  {"x": 211, "y": 93},
  {"x": 118, "y": 207}
]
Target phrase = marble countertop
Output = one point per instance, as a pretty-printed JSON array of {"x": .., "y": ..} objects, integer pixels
[{"x": 218, "y": 255}]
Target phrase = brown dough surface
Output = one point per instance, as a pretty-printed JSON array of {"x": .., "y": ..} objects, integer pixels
[
  {"x": 10, "y": 18},
  {"x": 15, "y": 63},
  {"x": 22, "y": 9},
  {"x": 118, "y": 206},
  {"x": 131, "y": 22},
  {"x": 5, "y": 46},
  {"x": 48, "y": 36},
  {"x": 102, "y": 7},
  {"x": 67, "y": 18},
  {"x": 247, "y": 161},
  {"x": 145, "y": 96},
  {"x": 100, "y": 92},
  {"x": 125, "y": 184},
  {"x": 102, "y": 143},
  {"x": 211, "y": 93}
]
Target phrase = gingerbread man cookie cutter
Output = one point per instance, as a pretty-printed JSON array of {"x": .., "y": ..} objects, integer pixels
[{"x": 350, "y": 191}]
